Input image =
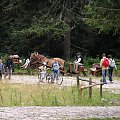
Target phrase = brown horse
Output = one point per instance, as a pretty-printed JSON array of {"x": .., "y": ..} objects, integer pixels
[{"x": 39, "y": 59}]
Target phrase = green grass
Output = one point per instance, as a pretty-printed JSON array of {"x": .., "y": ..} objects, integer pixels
[{"x": 51, "y": 95}]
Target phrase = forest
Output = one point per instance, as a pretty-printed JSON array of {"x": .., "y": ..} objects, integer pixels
[{"x": 60, "y": 28}]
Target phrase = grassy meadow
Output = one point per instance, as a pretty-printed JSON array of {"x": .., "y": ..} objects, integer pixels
[{"x": 51, "y": 95}]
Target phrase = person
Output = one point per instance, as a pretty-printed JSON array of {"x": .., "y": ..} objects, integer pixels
[
  {"x": 9, "y": 67},
  {"x": 112, "y": 65},
  {"x": 1, "y": 68},
  {"x": 78, "y": 61},
  {"x": 56, "y": 67},
  {"x": 43, "y": 71},
  {"x": 27, "y": 61},
  {"x": 104, "y": 63}
]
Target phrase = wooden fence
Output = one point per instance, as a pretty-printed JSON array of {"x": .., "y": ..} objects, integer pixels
[{"x": 91, "y": 84}]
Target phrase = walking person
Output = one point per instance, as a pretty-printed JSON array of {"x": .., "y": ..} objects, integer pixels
[
  {"x": 112, "y": 65},
  {"x": 9, "y": 67},
  {"x": 104, "y": 63},
  {"x": 1, "y": 68}
]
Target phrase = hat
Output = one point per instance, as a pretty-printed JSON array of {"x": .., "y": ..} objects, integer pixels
[{"x": 79, "y": 53}]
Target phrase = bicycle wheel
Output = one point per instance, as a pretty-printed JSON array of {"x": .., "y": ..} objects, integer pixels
[
  {"x": 41, "y": 76},
  {"x": 59, "y": 79},
  {"x": 48, "y": 78}
]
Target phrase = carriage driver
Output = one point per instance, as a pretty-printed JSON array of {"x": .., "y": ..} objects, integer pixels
[{"x": 78, "y": 61}]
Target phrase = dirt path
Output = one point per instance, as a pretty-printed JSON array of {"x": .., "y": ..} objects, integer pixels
[
  {"x": 68, "y": 81},
  {"x": 59, "y": 113}
]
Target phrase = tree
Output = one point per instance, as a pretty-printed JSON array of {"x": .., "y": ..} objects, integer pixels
[
  {"x": 103, "y": 14},
  {"x": 56, "y": 19}
]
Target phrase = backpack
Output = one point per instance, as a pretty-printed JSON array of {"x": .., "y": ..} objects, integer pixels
[
  {"x": 112, "y": 63},
  {"x": 105, "y": 62}
]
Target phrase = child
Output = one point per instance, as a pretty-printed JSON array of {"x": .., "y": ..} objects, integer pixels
[
  {"x": 43, "y": 71},
  {"x": 56, "y": 67}
]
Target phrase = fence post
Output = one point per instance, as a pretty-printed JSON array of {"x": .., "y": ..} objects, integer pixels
[
  {"x": 78, "y": 82},
  {"x": 101, "y": 88},
  {"x": 90, "y": 88},
  {"x": 78, "y": 86}
]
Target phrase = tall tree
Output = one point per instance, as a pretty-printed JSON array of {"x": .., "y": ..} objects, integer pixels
[
  {"x": 67, "y": 34},
  {"x": 104, "y": 14}
]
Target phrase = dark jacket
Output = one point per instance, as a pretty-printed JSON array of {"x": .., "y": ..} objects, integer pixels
[{"x": 9, "y": 63}]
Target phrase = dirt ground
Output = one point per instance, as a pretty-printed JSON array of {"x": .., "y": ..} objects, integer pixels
[{"x": 67, "y": 81}]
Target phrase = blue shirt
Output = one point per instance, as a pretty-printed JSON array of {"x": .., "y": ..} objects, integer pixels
[{"x": 1, "y": 66}]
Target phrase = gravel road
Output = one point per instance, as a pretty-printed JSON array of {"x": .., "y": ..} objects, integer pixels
[{"x": 58, "y": 113}]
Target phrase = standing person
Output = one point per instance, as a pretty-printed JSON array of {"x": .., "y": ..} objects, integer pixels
[
  {"x": 1, "y": 68},
  {"x": 104, "y": 63},
  {"x": 112, "y": 65},
  {"x": 78, "y": 61},
  {"x": 9, "y": 67}
]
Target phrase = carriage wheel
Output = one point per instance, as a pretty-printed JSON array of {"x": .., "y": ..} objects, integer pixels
[
  {"x": 33, "y": 67},
  {"x": 98, "y": 73}
]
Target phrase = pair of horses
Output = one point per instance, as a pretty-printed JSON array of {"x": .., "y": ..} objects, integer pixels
[{"x": 36, "y": 60}]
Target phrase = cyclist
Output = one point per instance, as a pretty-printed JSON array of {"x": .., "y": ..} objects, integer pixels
[
  {"x": 56, "y": 68},
  {"x": 43, "y": 71}
]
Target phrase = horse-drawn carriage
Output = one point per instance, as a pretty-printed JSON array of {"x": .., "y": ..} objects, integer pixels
[{"x": 36, "y": 61}]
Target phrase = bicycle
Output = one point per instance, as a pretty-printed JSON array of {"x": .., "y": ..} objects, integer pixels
[
  {"x": 42, "y": 75},
  {"x": 51, "y": 78}
]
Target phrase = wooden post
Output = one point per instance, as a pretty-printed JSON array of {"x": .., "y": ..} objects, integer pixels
[
  {"x": 78, "y": 82},
  {"x": 101, "y": 90},
  {"x": 80, "y": 92},
  {"x": 90, "y": 88},
  {"x": 78, "y": 86}
]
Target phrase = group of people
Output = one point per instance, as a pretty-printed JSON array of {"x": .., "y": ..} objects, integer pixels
[
  {"x": 7, "y": 67},
  {"x": 107, "y": 64}
]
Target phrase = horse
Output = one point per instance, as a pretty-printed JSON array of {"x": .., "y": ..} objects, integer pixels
[{"x": 38, "y": 59}]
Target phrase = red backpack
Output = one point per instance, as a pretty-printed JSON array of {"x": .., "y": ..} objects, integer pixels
[{"x": 105, "y": 62}]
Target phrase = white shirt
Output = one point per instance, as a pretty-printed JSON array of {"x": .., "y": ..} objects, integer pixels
[{"x": 78, "y": 60}]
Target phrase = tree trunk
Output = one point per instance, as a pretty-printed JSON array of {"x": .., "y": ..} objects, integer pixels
[
  {"x": 67, "y": 45},
  {"x": 67, "y": 34}
]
